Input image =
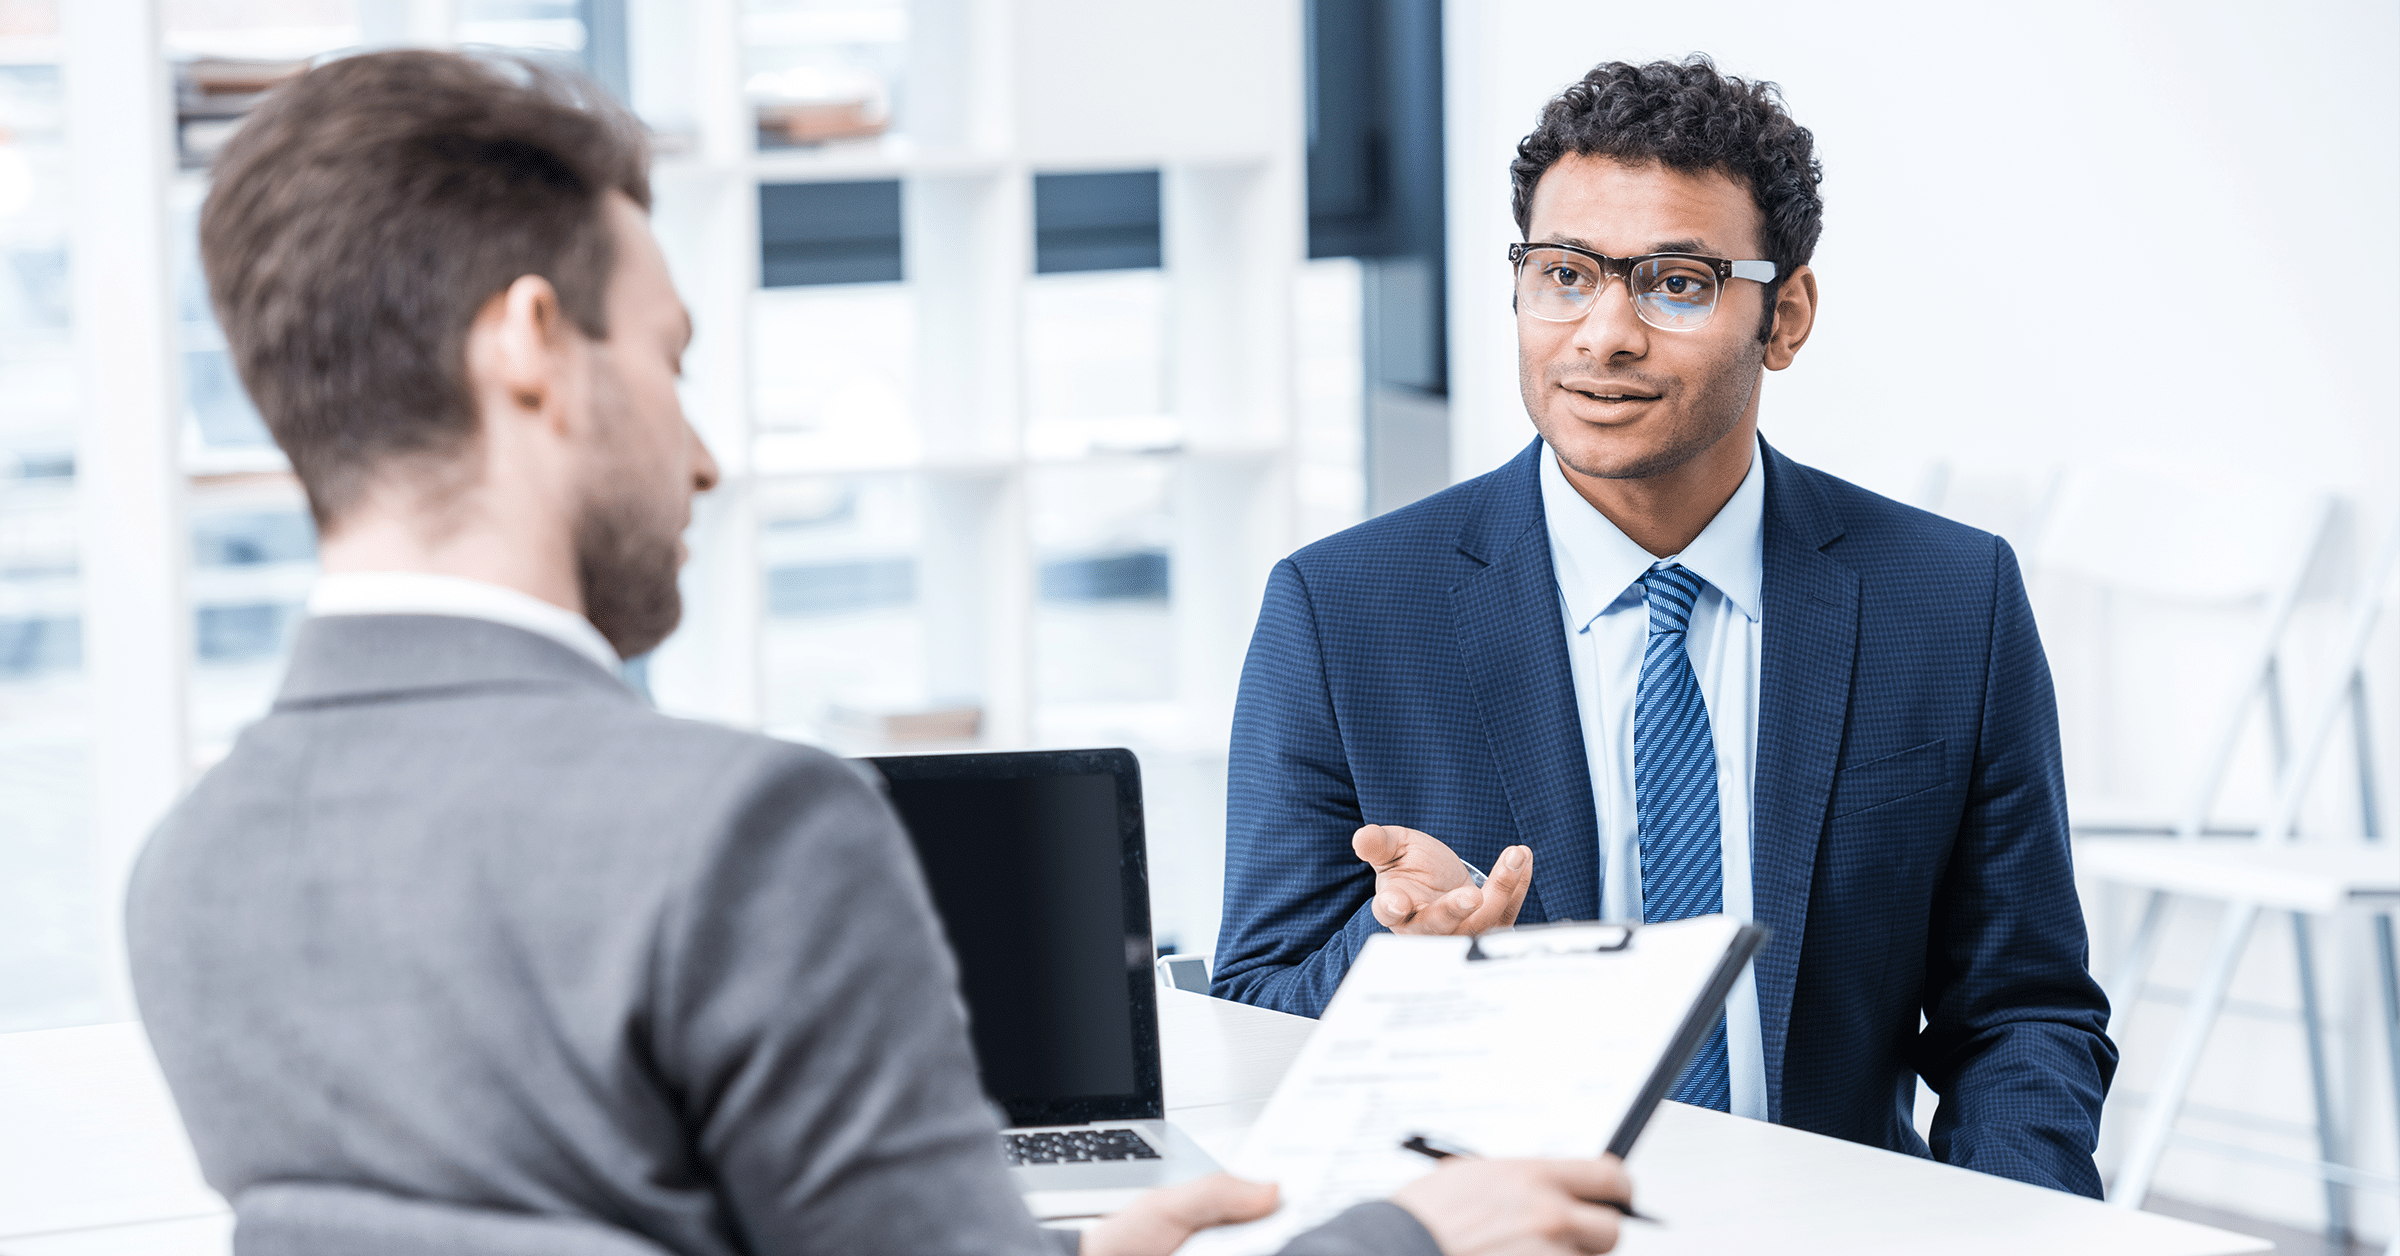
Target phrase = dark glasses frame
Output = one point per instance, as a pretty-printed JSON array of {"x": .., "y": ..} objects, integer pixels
[{"x": 1757, "y": 271}]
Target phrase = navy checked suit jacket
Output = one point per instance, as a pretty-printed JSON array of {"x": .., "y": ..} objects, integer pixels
[{"x": 1908, "y": 816}]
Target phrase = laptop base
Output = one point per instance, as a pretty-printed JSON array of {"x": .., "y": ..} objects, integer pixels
[{"x": 1055, "y": 1191}]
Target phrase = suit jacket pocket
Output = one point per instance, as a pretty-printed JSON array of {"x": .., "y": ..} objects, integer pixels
[{"x": 1888, "y": 779}]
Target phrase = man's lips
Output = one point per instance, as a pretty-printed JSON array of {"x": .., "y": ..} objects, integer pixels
[{"x": 1594, "y": 390}]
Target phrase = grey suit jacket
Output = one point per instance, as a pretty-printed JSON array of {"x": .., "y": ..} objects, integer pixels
[{"x": 462, "y": 920}]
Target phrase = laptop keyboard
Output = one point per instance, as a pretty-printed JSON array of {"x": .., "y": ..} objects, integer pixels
[{"x": 1075, "y": 1147}]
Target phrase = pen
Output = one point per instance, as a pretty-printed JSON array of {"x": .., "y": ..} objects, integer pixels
[{"x": 1435, "y": 1149}]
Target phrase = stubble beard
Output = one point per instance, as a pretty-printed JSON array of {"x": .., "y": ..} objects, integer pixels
[
  {"x": 628, "y": 551},
  {"x": 1723, "y": 397}
]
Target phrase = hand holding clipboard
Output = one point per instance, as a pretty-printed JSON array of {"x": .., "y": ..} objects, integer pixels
[{"x": 1591, "y": 1024}]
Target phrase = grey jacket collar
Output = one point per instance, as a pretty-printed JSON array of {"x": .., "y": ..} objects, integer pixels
[{"x": 341, "y": 659}]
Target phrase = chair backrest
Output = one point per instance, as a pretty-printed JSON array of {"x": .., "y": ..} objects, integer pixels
[
  {"x": 2183, "y": 539},
  {"x": 2199, "y": 545},
  {"x": 2347, "y": 693},
  {"x": 2013, "y": 503},
  {"x": 321, "y": 1218}
]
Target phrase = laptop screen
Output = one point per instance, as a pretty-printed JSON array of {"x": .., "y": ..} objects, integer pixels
[{"x": 1036, "y": 865}]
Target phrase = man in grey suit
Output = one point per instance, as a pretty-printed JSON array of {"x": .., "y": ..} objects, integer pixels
[{"x": 463, "y": 946}]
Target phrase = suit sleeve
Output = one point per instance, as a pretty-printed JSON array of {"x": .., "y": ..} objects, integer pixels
[
  {"x": 2016, "y": 1038},
  {"x": 809, "y": 1021},
  {"x": 1296, "y": 897},
  {"x": 813, "y": 1023},
  {"x": 1380, "y": 1228}
]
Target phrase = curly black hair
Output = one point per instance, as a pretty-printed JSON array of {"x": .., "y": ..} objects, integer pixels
[{"x": 1686, "y": 116}]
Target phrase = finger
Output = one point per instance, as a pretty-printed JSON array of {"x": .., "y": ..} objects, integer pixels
[
  {"x": 1395, "y": 908},
  {"x": 1504, "y": 891},
  {"x": 1387, "y": 846},
  {"x": 1379, "y": 844},
  {"x": 1218, "y": 1199},
  {"x": 1516, "y": 899},
  {"x": 1515, "y": 869},
  {"x": 1591, "y": 1227},
  {"x": 1449, "y": 913},
  {"x": 1602, "y": 1180}
]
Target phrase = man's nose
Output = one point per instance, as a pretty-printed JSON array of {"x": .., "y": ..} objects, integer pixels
[
  {"x": 704, "y": 463},
  {"x": 1610, "y": 326}
]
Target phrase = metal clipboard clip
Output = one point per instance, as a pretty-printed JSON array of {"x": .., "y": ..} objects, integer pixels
[{"x": 1563, "y": 937}]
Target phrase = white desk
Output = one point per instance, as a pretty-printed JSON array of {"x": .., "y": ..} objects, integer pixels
[
  {"x": 93, "y": 1162},
  {"x": 1721, "y": 1184}
]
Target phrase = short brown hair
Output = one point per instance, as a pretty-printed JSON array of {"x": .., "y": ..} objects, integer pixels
[{"x": 365, "y": 212}]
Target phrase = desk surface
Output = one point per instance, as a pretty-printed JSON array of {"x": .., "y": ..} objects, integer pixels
[
  {"x": 93, "y": 1162},
  {"x": 1721, "y": 1183},
  {"x": 93, "y": 1159}
]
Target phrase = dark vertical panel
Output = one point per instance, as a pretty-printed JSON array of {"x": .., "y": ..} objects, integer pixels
[
  {"x": 1374, "y": 128},
  {"x": 1375, "y": 169},
  {"x": 1345, "y": 162},
  {"x": 1375, "y": 193}
]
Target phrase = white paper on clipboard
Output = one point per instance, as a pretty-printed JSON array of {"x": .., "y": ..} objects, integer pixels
[{"x": 1542, "y": 1054}]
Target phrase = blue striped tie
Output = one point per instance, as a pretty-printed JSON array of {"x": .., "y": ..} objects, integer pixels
[{"x": 1675, "y": 799}]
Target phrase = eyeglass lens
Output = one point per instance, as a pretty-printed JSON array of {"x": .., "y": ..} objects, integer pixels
[{"x": 1669, "y": 293}]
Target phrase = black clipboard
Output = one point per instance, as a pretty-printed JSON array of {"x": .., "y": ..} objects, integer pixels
[{"x": 1578, "y": 936}]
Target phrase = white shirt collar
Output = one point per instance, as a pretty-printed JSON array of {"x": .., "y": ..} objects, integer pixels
[
  {"x": 424, "y": 593},
  {"x": 1596, "y": 562}
]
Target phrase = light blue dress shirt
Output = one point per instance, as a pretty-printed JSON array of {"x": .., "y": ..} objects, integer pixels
[{"x": 1607, "y": 624}]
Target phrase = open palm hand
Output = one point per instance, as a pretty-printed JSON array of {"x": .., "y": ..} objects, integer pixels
[{"x": 1421, "y": 885}]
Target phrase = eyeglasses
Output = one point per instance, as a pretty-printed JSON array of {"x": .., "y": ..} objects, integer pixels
[{"x": 1669, "y": 291}]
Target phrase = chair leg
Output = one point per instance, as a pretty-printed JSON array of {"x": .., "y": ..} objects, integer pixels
[
  {"x": 2391, "y": 1022},
  {"x": 2183, "y": 1059},
  {"x": 2125, "y": 985},
  {"x": 2329, "y": 1140},
  {"x": 2361, "y": 729}
]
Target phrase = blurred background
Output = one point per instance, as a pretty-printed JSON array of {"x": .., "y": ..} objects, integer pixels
[{"x": 1032, "y": 332}]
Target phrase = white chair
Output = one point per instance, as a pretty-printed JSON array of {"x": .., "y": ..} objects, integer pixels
[
  {"x": 2141, "y": 541},
  {"x": 2269, "y": 871},
  {"x": 2014, "y": 503},
  {"x": 1184, "y": 972}
]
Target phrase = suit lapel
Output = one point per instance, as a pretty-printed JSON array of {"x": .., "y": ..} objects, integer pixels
[
  {"x": 1515, "y": 653},
  {"x": 1810, "y": 641}
]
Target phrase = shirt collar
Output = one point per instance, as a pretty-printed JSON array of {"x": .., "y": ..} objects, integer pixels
[
  {"x": 1597, "y": 563},
  {"x": 425, "y": 593}
]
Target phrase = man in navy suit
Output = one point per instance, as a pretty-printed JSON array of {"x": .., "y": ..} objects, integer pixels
[{"x": 1651, "y": 668}]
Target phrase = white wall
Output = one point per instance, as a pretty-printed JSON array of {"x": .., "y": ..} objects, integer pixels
[
  {"x": 2182, "y": 165},
  {"x": 1995, "y": 178}
]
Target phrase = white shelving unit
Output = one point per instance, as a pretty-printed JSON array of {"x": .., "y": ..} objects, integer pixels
[
  {"x": 976, "y": 132},
  {"x": 964, "y": 476},
  {"x": 969, "y": 481}
]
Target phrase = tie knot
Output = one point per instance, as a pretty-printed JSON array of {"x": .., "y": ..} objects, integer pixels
[{"x": 1671, "y": 592}]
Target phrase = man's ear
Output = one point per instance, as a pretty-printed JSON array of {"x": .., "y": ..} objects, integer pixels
[
  {"x": 515, "y": 347},
  {"x": 1795, "y": 317}
]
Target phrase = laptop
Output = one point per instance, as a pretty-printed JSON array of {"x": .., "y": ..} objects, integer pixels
[{"x": 1039, "y": 874}]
